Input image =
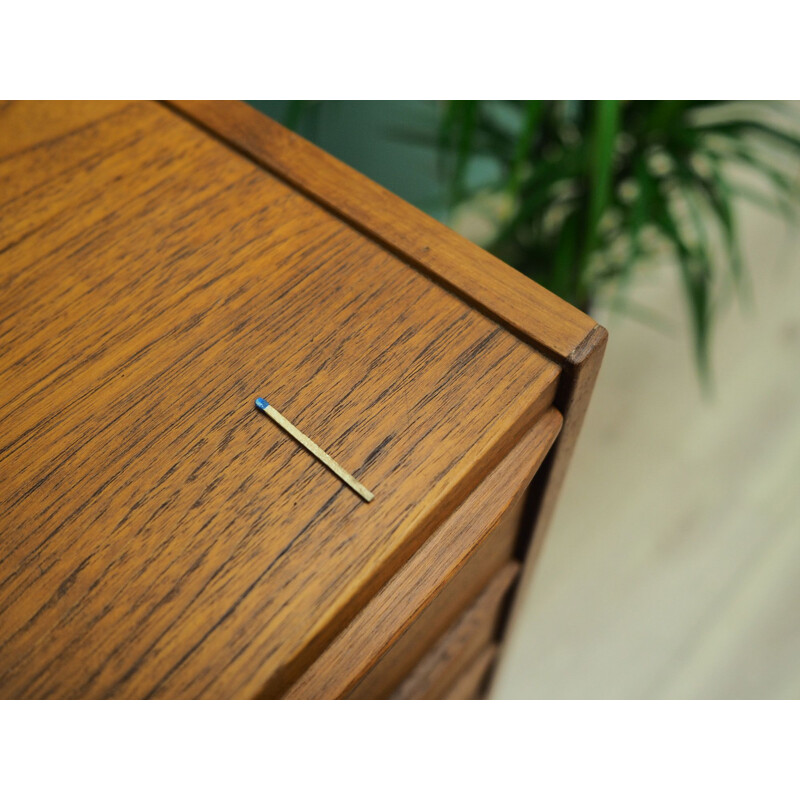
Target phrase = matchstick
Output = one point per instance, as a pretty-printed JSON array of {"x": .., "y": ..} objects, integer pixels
[{"x": 314, "y": 449}]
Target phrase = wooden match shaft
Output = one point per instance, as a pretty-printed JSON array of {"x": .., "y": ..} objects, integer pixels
[{"x": 315, "y": 450}]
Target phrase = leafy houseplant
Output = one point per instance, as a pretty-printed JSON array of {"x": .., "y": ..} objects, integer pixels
[{"x": 582, "y": 194}]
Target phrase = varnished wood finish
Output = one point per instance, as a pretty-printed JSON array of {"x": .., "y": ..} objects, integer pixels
[
  {"x": 385, "y": 640},
  {"x": 159, "y": 537},
  {"x": 462, "y": 643},
  {"x": 494, "y": 552},
  {"x": 403, "y": 656},
  {"x": 501, "y": 292},
  {"x": 570, "y": 337},
  {"x": 27, "y": 125}
]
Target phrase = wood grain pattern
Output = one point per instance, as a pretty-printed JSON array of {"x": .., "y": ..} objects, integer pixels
[
  {"x": 494, "y": 553},
  {"x": 500, "y": 291},
  {"x": 29, "y": 125},
  {"x": 381, "y": 645},
  {"x": 497, "y": 537},
  {"x": 474, "y": 631},
  {"x": 158, "y": 538},
  {"x": 571, "y": 338}
]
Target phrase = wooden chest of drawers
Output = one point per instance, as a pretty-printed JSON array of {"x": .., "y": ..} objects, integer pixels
[{"x": 163, "y": 265}]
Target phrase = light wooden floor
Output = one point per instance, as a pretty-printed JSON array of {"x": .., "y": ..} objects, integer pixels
[{"x": 672, "y": 569}]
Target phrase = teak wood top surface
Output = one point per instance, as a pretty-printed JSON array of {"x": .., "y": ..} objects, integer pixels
[
  {"x": 456, "y": 545},
  {"x": 158, "y": 536}
]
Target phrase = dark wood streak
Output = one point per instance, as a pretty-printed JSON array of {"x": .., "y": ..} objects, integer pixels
[
  {"x": 158, "y": 537},
  {"x": 426, "y": 594},
  {"x": 501, "y": 293},
  {"x": 562, "y": 333}
]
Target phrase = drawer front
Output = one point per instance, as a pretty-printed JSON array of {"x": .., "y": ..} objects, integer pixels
[
  {"x": 473, "y": 682},
  {"x": 489, "y": 559},
  {"x": 474, "y": 631},
  {"x": 387, "y": 639}
]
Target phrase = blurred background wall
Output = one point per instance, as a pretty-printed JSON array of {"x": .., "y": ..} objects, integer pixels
[
  {"x": 672, "y": 567},
  {"x": 377, "y": 138}
]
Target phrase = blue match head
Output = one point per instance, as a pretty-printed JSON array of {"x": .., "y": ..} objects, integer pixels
[{"x": 261, "y": 403}]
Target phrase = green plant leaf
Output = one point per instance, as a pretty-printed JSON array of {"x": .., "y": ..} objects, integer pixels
[
  {"x": 522, "y": 147},
  {"x": 694, "y": 272},
  {"x": 638, "y": 218},
  {"x": 565, "y": 257},
  {"x": 597, "y": 188}
]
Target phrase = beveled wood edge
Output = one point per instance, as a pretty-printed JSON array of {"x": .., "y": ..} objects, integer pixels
[
  {"x": 544, "y": 321},
  {"x": 454, "y": 643},
  {"x": 531, "y": 312},
  {"x": 509, "y": 298},
  {"x": 427, "y": 521},
  {"x": 549, "y": 324},
  {"x": 575, "y": 391},
  {"x": 323, "y": 680}
]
